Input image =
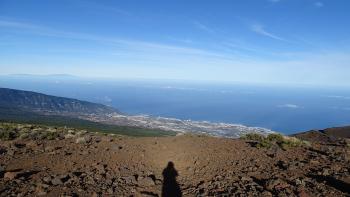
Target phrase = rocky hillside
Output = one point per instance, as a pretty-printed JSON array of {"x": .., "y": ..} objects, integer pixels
[
  {"x": 32, "y": 101},
  {"x": 47, "y": 161},
  {"x": 329, "y": 135}
]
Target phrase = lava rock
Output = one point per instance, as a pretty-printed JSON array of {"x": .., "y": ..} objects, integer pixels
[
  {"x": 146, "y": 182},
  {"x": 11, "y": 175},
  {"x": 56, "y": 181},
  {"x": 2, "y": 171}
]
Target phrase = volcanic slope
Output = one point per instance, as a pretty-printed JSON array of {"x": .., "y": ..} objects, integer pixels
[{"x": 38, "y": 160}]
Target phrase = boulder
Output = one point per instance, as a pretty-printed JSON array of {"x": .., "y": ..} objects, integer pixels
[
  {"x": 47, "y": 179},
  {"x": 246, "y": 179},
  {"x": 273, "y": 184},
  {"x": 11, "y": 152},
  {"x": 56, "y": 181},
  {"x": 266, "y": 194},
  {"x": 69, "y": 136},
  {"x": 97, "y": 139},
  {"x": 64, "y": 178},
  {"x": 72, "y": 132},
  {"x": 11, "y": 175},
  {"x": 146, "y": 182},
  {"x": 129, "y": 180},
  {"x": 83, "y": 140},
  {"x": 49, "y": 148},
  {"x": 2, "y": 171},
  {"x": 3, "y": 150}
]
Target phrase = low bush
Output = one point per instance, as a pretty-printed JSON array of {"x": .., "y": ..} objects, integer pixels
[
  {"x": 264, "y": 144},
  {"x": 275, "y": 139},
  {"x": 253, "y": 137},
  {"x": 7, "y": 135},
  {"x": 51, "y": 135}
]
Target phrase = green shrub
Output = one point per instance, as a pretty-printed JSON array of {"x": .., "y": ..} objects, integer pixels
[
  {"x": 264, "y": 144},
  {"x": 51, "y": 135},
  {"x": 253, "y": 137},
  {"x": 7, "y": 135},
  {"x": 275, "y": 139},
  {"x": 289, "y": 142},
  {"x": 24, "y": 135}
]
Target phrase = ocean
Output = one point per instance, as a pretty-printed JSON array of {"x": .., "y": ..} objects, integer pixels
[{"x": 283, "y": 109}]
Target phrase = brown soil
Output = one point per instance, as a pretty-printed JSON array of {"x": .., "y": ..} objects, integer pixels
[{"x": 202, "y": 166}]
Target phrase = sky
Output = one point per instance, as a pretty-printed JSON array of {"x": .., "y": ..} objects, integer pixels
[{"x": 303, "y": 42}]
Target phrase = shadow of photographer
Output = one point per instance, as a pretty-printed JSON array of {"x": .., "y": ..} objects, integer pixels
[{"x": 170, "y": 186}]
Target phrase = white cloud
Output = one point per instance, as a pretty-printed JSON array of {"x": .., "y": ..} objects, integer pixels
[
  {"x": 101, "y": 8},
  {"x": 340, "y": 108},
  {"x": 15, "y": 24},
  {"x": 183, "y": 88},
  {"x": 107, "y": 99},
  {"x": 131, "y": 44},
  {"x": 319, "y": 4},
  {"x": 138, "y": 58},
  {"x": 203, "y": 27},
  {"x": 338, "y": 97},
  {"x": 290, "y": 106},
  {"x": 257, "y": 28}
]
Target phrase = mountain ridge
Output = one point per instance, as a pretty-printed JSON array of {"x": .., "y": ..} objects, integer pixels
[
  {"x": 34, "y": 101},
  {"x": 328, "y": 135}
]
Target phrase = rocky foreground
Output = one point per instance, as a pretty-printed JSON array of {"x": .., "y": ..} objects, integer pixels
[{"x": 46, "y": 161}]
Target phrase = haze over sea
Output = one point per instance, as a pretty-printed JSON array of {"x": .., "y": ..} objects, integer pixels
[{"x": 284, "y": 109}]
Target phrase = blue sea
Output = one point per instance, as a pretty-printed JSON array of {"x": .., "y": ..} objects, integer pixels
[{"x": 284, "y": 109}]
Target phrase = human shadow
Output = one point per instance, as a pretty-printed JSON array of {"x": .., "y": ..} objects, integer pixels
[
  {"x": 333, "y": 182},
  {"x": 170, "y": 186}
]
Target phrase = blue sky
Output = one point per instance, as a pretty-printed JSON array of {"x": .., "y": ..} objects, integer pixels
[{"x": 249, "y": 41}]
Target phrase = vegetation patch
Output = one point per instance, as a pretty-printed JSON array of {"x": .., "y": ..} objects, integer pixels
[
  {"x": 253, "y": 137},
  {"x": 284, "y": 142},
  {"x": 7, "y": 134},
  {"x": 20, "y": 116},
  {"x": 12, "y": 130}
]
